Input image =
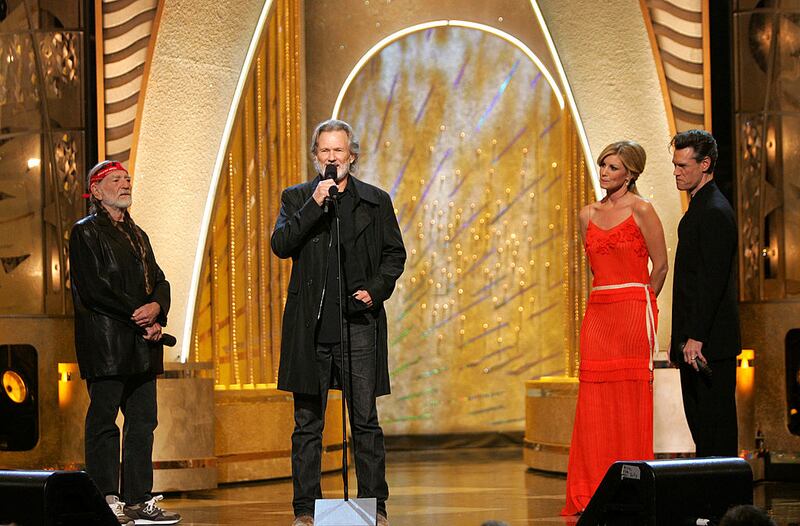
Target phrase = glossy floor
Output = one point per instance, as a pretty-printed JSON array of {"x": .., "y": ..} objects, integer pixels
[{"x": 439, "y": 487}]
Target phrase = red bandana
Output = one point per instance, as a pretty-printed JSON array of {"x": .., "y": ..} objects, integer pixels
[{"x": 112, "y": 166}]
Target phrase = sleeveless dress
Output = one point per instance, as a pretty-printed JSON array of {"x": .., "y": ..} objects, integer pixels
[{"x": 614, "y": 415}]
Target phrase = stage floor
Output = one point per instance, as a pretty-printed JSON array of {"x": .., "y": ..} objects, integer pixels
[{"x": 461, "y": 486}]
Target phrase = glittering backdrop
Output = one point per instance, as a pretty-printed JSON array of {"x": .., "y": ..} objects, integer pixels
[{"x": 463, "y": 131}]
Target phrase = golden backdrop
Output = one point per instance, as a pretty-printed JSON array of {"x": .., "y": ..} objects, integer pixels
[
  {"x": 465, "y": 133},
  {"x": 243, "y": 286},
  {"x": 486, "y": 173}
]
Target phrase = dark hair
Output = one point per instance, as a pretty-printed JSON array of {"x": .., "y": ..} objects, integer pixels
[
  {"x": 746, "y": 515},
  {"x": 702, "y": 142},
  {"x": 337, "y": 125}
]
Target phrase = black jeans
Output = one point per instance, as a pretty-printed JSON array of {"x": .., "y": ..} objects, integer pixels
[
  {"x": 309, "y": 419},
  {"x": 710, "y": 407},
  {"x": 135, "y": 395}
]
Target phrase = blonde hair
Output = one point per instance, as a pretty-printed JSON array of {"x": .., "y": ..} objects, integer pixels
[{"x": 633, "y": 158}]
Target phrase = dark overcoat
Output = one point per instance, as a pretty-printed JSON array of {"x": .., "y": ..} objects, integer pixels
[
  {"x": 704, "y": 303},
  {"x": 108, "y": 284},
  {"x": 303, "y": 234}
]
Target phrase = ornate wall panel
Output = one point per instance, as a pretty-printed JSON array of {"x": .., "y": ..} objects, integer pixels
[
  {"x": 768, "y": 145},
  {"x": 767, "y": 120},
  {"x": 42, "y": 126},
  {"x": 462, "y": 130},
  {"x": 124, "y": 31}
]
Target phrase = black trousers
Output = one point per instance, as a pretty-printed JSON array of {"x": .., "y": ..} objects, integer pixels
[
  {"x": 135, "y": 396},
  {"x": 309, "y": 419},
  {"x": 710, "y": 407}
]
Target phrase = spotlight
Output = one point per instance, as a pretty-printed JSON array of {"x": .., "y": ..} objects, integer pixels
[
  {"x": 19, "y": 402},
  {"x": 14, "y": 387}
]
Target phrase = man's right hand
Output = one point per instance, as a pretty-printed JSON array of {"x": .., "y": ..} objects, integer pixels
[
  {"x": 322, "y": 189},
  {"x": 153, "y": 332}
]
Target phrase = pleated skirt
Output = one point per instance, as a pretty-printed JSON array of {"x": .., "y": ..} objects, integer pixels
[{"x": 614, "y": 415}]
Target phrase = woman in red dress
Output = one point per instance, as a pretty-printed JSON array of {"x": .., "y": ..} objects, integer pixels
[{"x": 614, "y": 416}]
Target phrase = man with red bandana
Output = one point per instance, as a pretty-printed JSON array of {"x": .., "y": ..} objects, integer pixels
[{"x": 121, "y": 300}]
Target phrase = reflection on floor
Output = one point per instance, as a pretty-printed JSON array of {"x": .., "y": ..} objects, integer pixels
[{"x": 462, "y": 487}]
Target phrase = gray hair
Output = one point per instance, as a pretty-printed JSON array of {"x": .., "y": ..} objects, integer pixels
[{"x": 336, "y": 125}]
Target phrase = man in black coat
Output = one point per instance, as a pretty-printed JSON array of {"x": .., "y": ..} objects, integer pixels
[
  {"x": 373, "y": 257},
  {"x": 705, "y": 313},
  {"x": 121, "y": 300}
]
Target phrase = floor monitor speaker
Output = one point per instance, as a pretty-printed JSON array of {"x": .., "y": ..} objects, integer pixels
[
  {"x": 669, "y": 492},
  {"x": 52, "y": 498}
]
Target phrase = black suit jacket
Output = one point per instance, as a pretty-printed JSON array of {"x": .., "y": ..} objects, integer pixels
[{"x": 704, "y": 300}]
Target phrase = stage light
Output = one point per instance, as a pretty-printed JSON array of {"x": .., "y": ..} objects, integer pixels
[
  {"x": 746, "y": 358},
  {"x": 14, "y": 386},
  {"x": 67, "y": 374},
  {"x": 34, "y": 163},
  {"x": 745, "y": 391},
  {"x": 19, "y": 411}
]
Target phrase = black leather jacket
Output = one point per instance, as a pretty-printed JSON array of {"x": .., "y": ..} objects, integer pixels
[{"x": 108, "y": 284}]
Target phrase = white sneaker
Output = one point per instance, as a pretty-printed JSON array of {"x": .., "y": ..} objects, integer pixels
[
  {"x": 148, "y": 512},
  {"x": 118, "y": 509}
]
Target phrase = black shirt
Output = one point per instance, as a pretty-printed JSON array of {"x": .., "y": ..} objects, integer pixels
[{"x": 353, "y": 264}]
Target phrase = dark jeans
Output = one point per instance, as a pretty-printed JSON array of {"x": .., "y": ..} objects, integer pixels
[
  {"x": 135, "y": 395},
  {"x": 309, "y": 418},
  {"x": 710, "y": 407}
]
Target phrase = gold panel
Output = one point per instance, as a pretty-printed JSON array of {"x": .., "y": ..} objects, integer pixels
[
  {"x": 243, "y": 287},
  {"x": 467, "y": 136},
  {"x": 252, "y": 431}
]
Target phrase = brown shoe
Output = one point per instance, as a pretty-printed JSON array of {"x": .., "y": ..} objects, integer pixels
[
  {"x": 382, "y": 520},
  {"x": 303, "y": 520}
]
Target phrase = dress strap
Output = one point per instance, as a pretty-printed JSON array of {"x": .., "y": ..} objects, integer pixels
[{"x": 650, "y": 318}]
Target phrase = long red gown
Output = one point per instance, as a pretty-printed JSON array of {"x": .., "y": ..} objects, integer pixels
[{"x": 614, "y": 415}]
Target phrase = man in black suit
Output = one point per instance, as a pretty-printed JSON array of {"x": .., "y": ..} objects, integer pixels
[{"x": 705, "y": 313}]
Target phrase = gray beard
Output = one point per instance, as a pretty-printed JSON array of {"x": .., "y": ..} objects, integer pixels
[{"x": 321, "y": 171}]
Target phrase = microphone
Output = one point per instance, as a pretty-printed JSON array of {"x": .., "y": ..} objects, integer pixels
[
  {"x": 167, "y": 340},
  {"x": 330, "y": 173}
]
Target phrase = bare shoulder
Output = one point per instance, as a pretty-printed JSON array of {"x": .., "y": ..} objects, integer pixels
[
  {"x": 643, "y": 208},
  {"x": 586, "y": 214},
  {"x": 587, "y": 211},
  {"x": 645, "y": 216}
]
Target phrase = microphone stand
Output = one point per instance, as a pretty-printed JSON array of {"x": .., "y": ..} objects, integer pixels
[
  {"x": 341, "y": 340},
  {"x": 359, "y": 511}
]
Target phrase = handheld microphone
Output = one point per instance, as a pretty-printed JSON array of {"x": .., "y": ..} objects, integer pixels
[
  {"x": 166, "y": 340},
  {"x": 330, "y": 173}
]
